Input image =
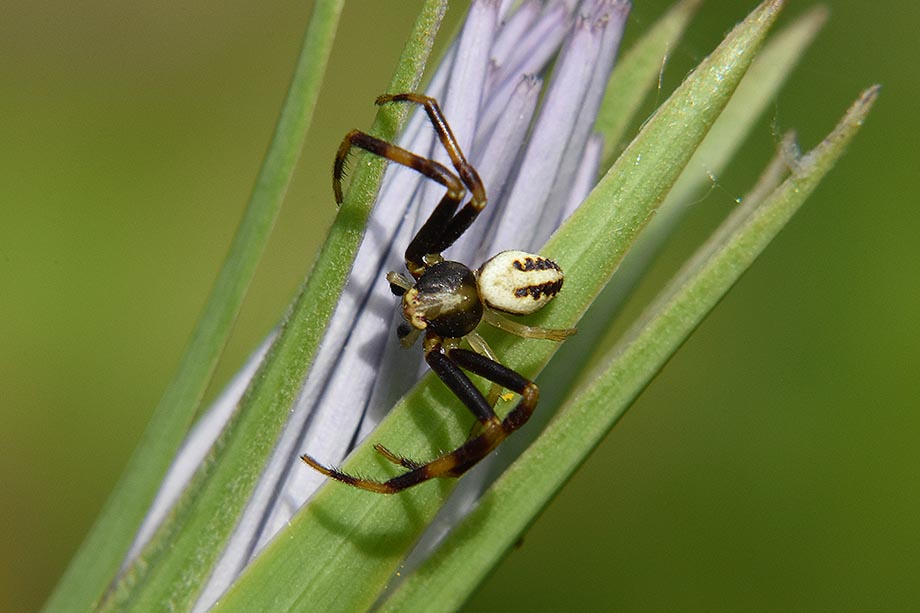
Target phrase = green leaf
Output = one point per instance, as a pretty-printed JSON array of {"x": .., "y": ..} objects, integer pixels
[
  {"x": 172, "y": 569},
  {"x": 636, "y": 73},
  {"x": 104, "y": 549},
  {"x": 506, "y": 510},
  {"x": 756, "y": 91},
  {"x": 340, "y": 551}
]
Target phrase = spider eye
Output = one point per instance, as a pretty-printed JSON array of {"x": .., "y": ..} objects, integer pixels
[{"x": 403, "y": 330}]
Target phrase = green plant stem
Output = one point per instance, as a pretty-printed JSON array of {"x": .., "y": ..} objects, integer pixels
[{"x": 100, "y": 555}]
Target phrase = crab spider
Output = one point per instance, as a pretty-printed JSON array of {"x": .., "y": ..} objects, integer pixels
[{"x": 444, "y": 301}]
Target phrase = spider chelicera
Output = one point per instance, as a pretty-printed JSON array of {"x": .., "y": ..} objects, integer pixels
[{"x": 446, "y": 300}]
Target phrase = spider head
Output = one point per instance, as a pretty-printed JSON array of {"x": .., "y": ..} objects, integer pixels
[{"x": 444, "y": 300}]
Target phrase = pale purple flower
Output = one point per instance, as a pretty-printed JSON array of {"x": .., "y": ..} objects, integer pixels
[{"x": 530, "y": 135}]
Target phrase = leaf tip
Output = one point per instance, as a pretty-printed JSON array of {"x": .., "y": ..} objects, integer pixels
[
  {"x": 818, "y": 15},
  {"x": 768, "y": 10},
  {"x": 858, "y": 111},
  {"x": 837, "y": 140},
  {"x": 773, "y": 5}
]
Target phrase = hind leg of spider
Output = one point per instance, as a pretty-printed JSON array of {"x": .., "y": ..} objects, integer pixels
[
  {"x": 396, "y": 458},
  {"x": 492, "y": 431},
  {"x": 471, "y": 452}
]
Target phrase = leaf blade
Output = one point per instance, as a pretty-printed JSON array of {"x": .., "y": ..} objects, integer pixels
[
  {"x": 755, "y": 92},
  {"x": 636, "y": 73},
  {"x": 105, "y": 546},
  {"x": 510, "y": 506}
]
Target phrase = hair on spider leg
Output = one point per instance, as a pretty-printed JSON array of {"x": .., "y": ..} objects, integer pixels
[{"x": 444, "y": 301}]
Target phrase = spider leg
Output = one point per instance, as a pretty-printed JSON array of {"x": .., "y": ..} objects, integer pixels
[
  {"x": 429, "y": 168},
  {"x": 480, "y": 346},
  {"x": 427, "y": 240},
  {"x": 471, "y": 452},
  {"x": 518, "y": 329},
  {"x": 443, "y": 227},
  {"x": 499, "y": 373},
  {"x": 396, "y": 458}
]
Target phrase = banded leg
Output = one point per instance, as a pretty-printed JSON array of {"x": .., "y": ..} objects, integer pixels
[
  {"x": 467, "y": 173},
  {"x": 429, "y": 168},
  {"x": 441, "y": 230},
  {"x": 507, "y": 378},
  {"x": 470, "y": 453},
  {"x": 463, "y": 388}
]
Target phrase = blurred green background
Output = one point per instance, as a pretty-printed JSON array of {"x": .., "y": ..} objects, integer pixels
[{"x": 773, "y": 465}]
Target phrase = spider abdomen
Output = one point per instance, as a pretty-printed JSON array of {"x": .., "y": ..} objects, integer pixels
[
  {"x": 445, "y": 300},
  {"x": 518, "y": 282}
]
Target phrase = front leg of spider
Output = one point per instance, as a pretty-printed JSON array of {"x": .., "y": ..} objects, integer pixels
[{"x": 445, "y": 301}]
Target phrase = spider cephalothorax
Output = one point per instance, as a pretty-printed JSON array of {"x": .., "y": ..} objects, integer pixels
[{"x": 447, "y": 300}]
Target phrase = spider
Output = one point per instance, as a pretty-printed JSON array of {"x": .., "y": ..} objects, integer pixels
[{"x": 446, "y": 300}]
